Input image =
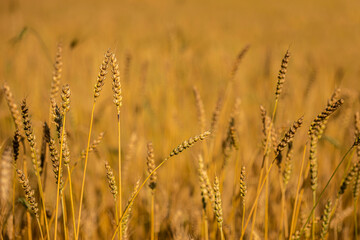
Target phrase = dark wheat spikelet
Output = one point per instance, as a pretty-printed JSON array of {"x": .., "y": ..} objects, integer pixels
[
  {"x": 29, "y": 193},
  {"x": 322, "y": 125},
  {"x": 353, "y": 171},
  {"x": 54, "y": 157},
  {"x": 233, "y": 137},
  {"x": 57, "y": 119},
  {"x": 16, "y": 145},
  {"x": 111, "y": 179},
  {"x": 316, "y": 130},
  {"x": 189, "y": 143},
  {"x": 230, "y": 142},
  {"x": 326, "y": 220},
  {"x": 30, "y": 135},
  {"x": 288, "y": 164},
  {"x": 289, "y": 136},
  {"x": 101, "y": 76},
  {"x": 116, "y": 85},
  {"x": 65, "y": 96},
  {"x": 44, "y": 142},
  {"x": 315, "y": 126},
  {"x": 150, "y": 161},
  {"x": 282, "y": 73},
  {"x": 357, "y": 132},
  {"x": 334, "y": 97}
]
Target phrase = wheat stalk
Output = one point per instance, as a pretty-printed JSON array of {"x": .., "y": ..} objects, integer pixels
[{"x": 28, "y": 129}]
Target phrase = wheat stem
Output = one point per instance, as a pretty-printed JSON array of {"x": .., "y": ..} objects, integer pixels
[
  {"x": 71, "y": 198},
  {"x": 327, "y": 184},
  {"x": 119, "y": 159},
  {"x": 293, "y": 223},
  {"x": 84, "y": 174},
  {"x": 59, "y": 175},
  {"x": 152, "y": 215}
]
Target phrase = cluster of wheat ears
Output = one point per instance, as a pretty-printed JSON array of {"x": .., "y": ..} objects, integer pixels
[{"x": 293, "y": 219}]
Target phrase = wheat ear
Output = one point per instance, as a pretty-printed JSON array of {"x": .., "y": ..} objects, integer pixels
[
  {"x": 28, "y": 129},
  {"x": 184, "y": 145}
]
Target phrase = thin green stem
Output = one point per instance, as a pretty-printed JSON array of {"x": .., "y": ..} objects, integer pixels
[{"x": 327, "y": 184}]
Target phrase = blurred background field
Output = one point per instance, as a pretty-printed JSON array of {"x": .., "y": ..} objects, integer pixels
[{"x": 164, "y": 48}]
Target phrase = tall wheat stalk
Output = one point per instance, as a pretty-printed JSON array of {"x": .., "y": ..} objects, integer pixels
[
  {"x": 152, "y": 185},
  {"x": 65, "y": 108},
  {"x": 185, "y": 145},
  {"x": 116, "y": 86},
  {"x": 31, "y": 139},
  {"x": 356, "y": 143},
  {"x": 279, "y": 87},
  {"x": 97, "y": 89}
]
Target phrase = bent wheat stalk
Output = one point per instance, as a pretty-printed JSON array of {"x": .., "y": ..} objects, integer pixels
[{"x": 185, "y": 145}]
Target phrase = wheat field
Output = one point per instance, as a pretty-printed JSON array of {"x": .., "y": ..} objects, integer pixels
[{"x": 179, "y": 119}]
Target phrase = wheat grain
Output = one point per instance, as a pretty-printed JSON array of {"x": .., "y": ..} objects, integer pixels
[
  {"x": 29, "y": 132},
  {"x": 29, "y": 193},
  {"x": 56, "y": 77},
  {"x": 150, "y": 161},
  {"x": 288, "y": 137},
  {"x": 282, "y": 73},
  {"x": 101, "y": 76},
  {"x": 116, "y": 85},
  {"x": 12, "y": 106},
  {"x": 326, "y": 220},
  {"x": 16, "y": 145},
  {"x": 5, "y": 176},
  {"x": 111, "y": 180},
  {"x": 188, "y": 143},
  {"x": 349, "y": 177},
  {"x": 218, "y": 205},
  {"x": 200, "y": 109}
]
